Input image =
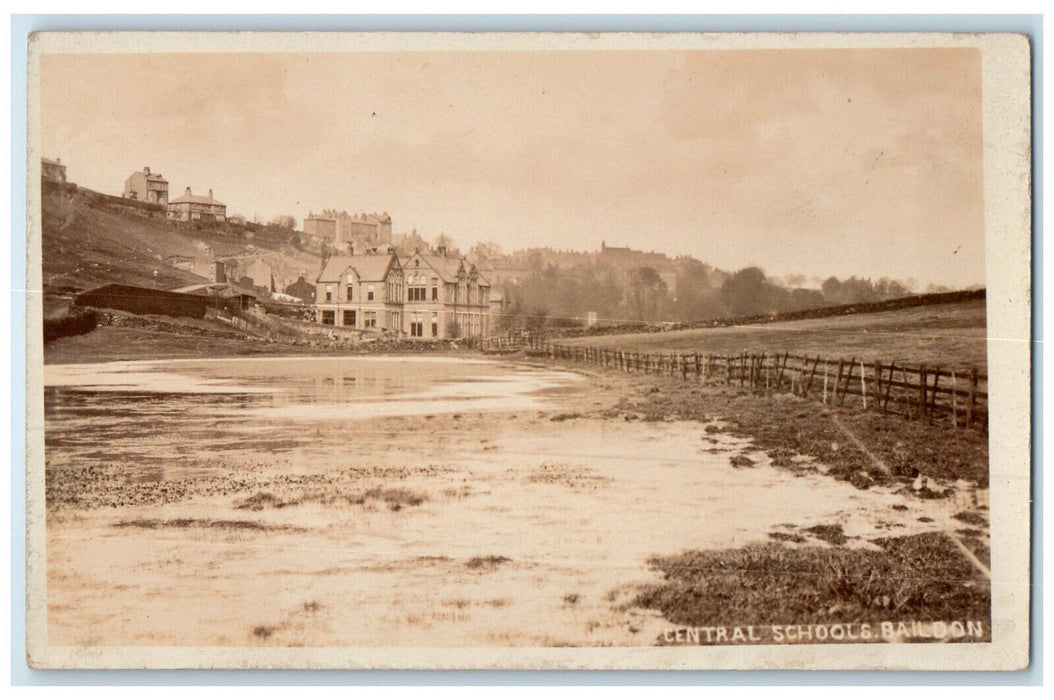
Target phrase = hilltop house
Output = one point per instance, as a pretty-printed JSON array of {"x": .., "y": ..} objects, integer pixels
[
  {"x": 322, "y": 228},
  {"x": 426, "y": 295},
  {"x": 345, "y": 230},
  {"x": 193, "y": 207},
  {"x": 146, "y": 186},
  {"x": 52, "y": 170}
]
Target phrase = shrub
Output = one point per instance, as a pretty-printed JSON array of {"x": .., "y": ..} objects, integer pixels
[{"x": 76, "y": 322}]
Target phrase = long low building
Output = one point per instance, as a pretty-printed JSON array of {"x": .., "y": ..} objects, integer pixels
[
  {"x": 426, "y": 295},
  {"x": 195, "y": 207}
]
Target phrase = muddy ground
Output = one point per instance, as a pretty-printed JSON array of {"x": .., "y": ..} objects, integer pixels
[{"x": 557, "y": 524}]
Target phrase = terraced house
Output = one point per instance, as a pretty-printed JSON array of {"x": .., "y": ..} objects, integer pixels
[{"x": 427, "y": 296}]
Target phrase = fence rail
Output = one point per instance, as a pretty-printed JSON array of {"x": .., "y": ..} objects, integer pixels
[
  {"x": 253, "y": 326},
  {"x": 920, "y": 392}
]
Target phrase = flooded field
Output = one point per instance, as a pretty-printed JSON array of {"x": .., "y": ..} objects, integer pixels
[{"x": 396, "y": 501}]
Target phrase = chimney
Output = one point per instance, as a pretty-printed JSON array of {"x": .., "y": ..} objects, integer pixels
[
  {"x": 210, "y": 193},
  {"x": 188, "y": 192},
  {"x": 146, "y": 170},
  {"x": 221, "y": 272}
]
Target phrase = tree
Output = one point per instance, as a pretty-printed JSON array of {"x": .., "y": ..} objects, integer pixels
[
  {"x": 483, "y": 251},
  {"x": 747, "y": 293},
  {"x": 284, "y": 221},
  {"x": 646, "y": 291}
]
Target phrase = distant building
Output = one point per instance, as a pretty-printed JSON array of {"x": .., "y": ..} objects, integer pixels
[
  {"x": 52, "y": 170},
  {"x": 146, "y": 186},
  {"x": 369, "y": 228},
  {"x": 342, "y": 229},
  {"x": 322, "y": 228},
  {"x": 193, "y": 207},
  {"x": 627, "y": 257},
  {"x": 426, "y": 295}
]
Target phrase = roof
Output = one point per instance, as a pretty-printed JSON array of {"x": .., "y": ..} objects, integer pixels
[
  {"x": 156, "y": 177},
  {"x": 49, "y": 161},
  {"x": 223, "y": 289},
  {"x": 369, "y": 268},
  {"x": 196, "y": 199},
  {"x": 447, "y": 268}
]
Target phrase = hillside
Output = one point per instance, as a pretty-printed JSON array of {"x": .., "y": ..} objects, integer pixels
[
  {"x": 91, "y": 239},
  {"x": 948, "y": 334}
]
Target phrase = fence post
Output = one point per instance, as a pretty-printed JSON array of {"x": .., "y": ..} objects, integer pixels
[
  {"x": 955, "y": 417},
  {"x": 863, "y": 384},
  {"x": 878, "y": 384},
  {"x": 889, "y": 386},
  {"x": 815, "y": 364},
  {"x": 973, "y": 396},
  {"x": 848, "y": 380},
  {"x": 825, "y": 382},
  {"x": 922, "y": 391},
  {"x": 933, "y": 394},
  {"x": 837, "y": 382}
]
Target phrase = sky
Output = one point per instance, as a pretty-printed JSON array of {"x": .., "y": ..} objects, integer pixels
[{"x": 822, "y": 162}]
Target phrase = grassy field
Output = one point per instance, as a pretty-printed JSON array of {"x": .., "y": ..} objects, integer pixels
[
  {"x": 942, "y": 334},
  {"x": 86, "y": 244},
  {"x": 917, "y": 577}
]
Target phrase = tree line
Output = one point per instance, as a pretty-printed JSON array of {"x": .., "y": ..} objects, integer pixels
[{"x": 685, "y": 291}]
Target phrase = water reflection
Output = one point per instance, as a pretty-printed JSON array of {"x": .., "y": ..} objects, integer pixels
[{"x": 174, "y": 411}]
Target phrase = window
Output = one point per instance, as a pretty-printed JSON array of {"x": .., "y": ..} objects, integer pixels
[
  {"x": 435, "y": 321},
  {"x": 435, "y": 290},
  {"x": 329, "y": 318},
  {"x": 349, "y": 318},
  {"x": 329, "y": 292},
  {"x": 369, "y": 293},
  {"x": 351, "y": 285},
  {"x": 416, "y": 289},
  {"x": 369, "y": 319}
]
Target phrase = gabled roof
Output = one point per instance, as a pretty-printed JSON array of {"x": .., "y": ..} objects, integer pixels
[
  {"x": 196, "y": 199},
  {"x": 368, "y": 268},
  {"x": 447, "y": 268}
]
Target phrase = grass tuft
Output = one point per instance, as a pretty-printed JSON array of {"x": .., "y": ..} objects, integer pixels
[
  {"x": 490, "y": 561},
  {"x": 920, "y": 577}
]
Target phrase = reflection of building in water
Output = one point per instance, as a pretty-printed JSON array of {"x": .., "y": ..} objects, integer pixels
[{"x": 426, "y": 295}]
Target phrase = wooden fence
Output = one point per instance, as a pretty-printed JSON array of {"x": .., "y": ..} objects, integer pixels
[
  {"x": 921, "y": 392},
  {"x": 253, "y": 326}
]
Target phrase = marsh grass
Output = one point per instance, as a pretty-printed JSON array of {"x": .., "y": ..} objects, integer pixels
[
  {"x": 789, "y": 428},
  {"x": 394, "y": 498},
  {"x": 488, "y": 562},
  {"x": 920, "y": 577},
  {"x": 251, "y": 525}
]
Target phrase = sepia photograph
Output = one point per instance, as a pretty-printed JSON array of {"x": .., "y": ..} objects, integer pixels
[{"x": 528, "y": 351}]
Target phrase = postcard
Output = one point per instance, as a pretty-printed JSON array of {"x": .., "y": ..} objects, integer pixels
[{"x": 528, "y": 351}]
